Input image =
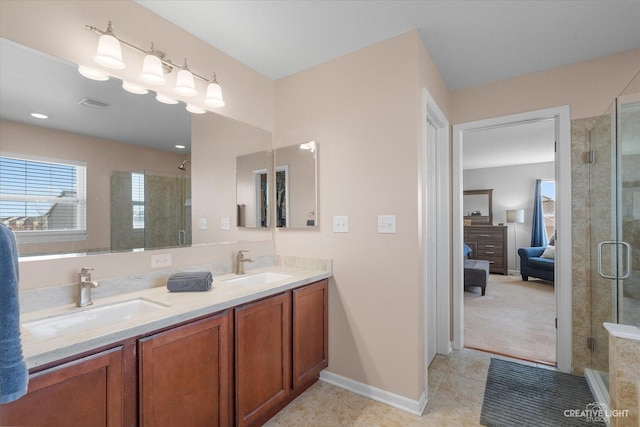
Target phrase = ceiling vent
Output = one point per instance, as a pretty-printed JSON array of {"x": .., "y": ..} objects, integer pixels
[{"x": 93, "y": 103}]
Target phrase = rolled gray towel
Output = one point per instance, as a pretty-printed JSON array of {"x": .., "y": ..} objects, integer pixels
[{"x": 190, "y": 282}]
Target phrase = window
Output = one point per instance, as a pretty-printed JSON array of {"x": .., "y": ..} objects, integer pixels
[
  {"x": 137, "y": 199},
  {"x": 43, "y": 200},
  {"x": 548, "y": 194}
]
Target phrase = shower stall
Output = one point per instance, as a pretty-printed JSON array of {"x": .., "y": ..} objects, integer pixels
[
  {"x": 150, "y": 209},
  {"x": 614, "y": 227}
]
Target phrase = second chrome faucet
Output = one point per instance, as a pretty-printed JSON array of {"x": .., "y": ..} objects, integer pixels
[
  {"x": 240, "y": 260},
  {"x": 84, "y": 287}
]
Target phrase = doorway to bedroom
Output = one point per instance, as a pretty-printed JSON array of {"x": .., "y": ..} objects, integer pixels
[{"x": 513, "y": 234}]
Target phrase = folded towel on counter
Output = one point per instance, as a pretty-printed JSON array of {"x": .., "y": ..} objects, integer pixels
[
  {"x": 190, "y": 282},
  {"x": 13, "y": 369}
]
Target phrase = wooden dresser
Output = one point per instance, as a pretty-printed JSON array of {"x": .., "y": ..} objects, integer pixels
[{"x": 488, "y": 242}]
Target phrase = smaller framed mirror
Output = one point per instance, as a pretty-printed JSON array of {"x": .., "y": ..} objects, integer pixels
[
  {"x": 296, "y": 198},
  {"x": 252, "y": 190},
  {"x": 478, "y": 207}
]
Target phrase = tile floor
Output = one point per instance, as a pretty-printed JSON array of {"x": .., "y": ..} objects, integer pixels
[{"x": 456, "y": 390}]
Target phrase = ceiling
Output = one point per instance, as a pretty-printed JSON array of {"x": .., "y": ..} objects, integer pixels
[{"x": 472, "y": 42}]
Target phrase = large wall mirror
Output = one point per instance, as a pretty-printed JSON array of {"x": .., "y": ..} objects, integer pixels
[
  {"x": 478, "y": 206},
  {"x": 296, "y": 197},
  {"x": 133, "y": 182}
]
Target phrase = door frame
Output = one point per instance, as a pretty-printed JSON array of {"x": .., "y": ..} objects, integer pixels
[
  {"x": 442, "y": 212},
  {"x": 563, "y": 265}
]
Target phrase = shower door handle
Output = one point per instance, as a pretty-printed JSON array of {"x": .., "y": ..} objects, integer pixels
[
  {"x": 600, "y": 246},
  {"x": 627, "y": 269},
  {"x": 182, "y": 237}
]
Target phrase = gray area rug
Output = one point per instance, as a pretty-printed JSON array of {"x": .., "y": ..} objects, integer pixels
[{"x": 521, "y": 395}]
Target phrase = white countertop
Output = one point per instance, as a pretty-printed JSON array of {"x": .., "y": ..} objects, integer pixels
[{"x": 180, "y": 307}]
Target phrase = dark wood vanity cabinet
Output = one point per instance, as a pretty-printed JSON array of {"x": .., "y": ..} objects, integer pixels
[
  {"x": 488, "y": 242},
  {"x": 310, "y": 332},
  {"x": 281, "y": 347},
  {"x": 85, "y": 392},
  {"x": 263, "y": 358},
  {"x": 268, "y": 351},
  {"x": 184, "y": 375}
]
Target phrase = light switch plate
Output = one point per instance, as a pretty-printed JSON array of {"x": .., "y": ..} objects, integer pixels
[
  {"x": 340, "y": 224},
  {"x": 203, "y": 223},
  {"x": 386, "y": 224},
  {"x": 225, "y": 224}
]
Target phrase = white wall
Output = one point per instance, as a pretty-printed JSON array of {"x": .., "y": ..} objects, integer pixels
[{"x": 513, "y": 188}]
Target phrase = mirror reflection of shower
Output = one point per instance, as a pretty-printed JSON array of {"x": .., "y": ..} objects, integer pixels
[{"x": 182, "y": 166}]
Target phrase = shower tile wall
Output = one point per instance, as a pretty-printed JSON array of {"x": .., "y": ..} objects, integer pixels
[
  {"x": 591, "y": 222},
  {"x": 625, "y": 380},
  {"x": 580, "y": 234}
]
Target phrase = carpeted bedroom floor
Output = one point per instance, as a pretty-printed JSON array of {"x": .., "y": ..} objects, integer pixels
[{"x": 514, "y": 318}]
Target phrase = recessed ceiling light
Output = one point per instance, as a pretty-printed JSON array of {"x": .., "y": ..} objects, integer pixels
[
  {"x": 39, "y": 116},
  {"x": 180, "y": 146}
]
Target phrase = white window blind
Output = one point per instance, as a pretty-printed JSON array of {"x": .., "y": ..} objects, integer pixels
[
  {"x": 43, "y": 199},
  {"x": 137, "y": 199}
]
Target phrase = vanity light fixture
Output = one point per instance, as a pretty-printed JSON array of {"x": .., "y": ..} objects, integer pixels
[
  {"x": 39, "y": 116},
  {"x": 165, "y": 99},
  {"x": 92, "y": 73},
  {"x": 184, "y": 82},
  {"x": 109, "y": 52},
  {"x": 180, "y": 146},
  {"x": 195, "y": 110},
  {"x": 152, "y": 71},
  {"x": 311, "y": 145},
  {"x": 214, "y": 94},
  {"x": 133, "y": 88},
  {"x": 154, "y": 68}
]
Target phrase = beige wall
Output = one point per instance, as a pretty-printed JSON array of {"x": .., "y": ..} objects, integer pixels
[
  {"x": 58, "y": 28},
  {"x": 364, "y": 111},
  {"x": 589, "y": 87}
]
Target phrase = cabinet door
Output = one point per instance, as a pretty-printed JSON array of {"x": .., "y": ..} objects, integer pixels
[
  {"x": 85, "y": 392},
  {"x": 310, "y": 337},
  {"x": 263, "y": 358},
  {"x": 184, "y": 375}
]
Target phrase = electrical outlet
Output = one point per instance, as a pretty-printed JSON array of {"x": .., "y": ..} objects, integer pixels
[
  {"x": 225, "y": 224},
  {"x": 163, "y": 260},
  {"x": 203, "y": 223}
]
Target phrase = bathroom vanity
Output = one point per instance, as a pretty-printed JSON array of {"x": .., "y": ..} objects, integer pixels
[{"x": 256, "y": 348}]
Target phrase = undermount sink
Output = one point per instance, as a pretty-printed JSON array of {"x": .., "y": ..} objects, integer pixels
[
  {"x": 92, "y": 318},
  {"x": 259, "y": 279}
]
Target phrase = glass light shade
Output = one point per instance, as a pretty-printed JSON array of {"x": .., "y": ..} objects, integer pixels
[
  {"x": 133, "y": 88},
  {"x": 195, "y": 110},
  {"x": 214, "y": 95},
  {"x": 92, "y": 74},
  {"x": 109, "y": 53},
  {"x": 165, "y": 99},
  {"x": 184, "y": 83},
  {"x": 152, "y": 70}
]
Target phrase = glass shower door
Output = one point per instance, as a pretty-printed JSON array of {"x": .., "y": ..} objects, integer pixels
[
  {"x": 628, "y": 132},
  {"x": 614, "y": 211}
]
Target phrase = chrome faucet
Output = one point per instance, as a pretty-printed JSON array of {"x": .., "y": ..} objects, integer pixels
[
  {"x": 240, "y": 260},
  {"x": 84, "y": 287}
]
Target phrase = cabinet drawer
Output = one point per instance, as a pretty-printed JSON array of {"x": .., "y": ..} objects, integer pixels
[{"x": 490, "y": 250}]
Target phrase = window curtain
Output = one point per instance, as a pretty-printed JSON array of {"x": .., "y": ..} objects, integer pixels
[{"x": 538, "y": 233}]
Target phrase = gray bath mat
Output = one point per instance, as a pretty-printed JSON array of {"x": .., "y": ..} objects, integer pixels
[{"x": 520, "y": 395}]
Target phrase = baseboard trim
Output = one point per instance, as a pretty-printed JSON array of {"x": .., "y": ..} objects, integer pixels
[{"x": 414, "y": 407}]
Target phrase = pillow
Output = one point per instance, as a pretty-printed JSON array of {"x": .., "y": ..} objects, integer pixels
[
  {"x": 552, "y": 239},
  {"x": 467, "y": 250},
  {"x": 549, "y": 252}
]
